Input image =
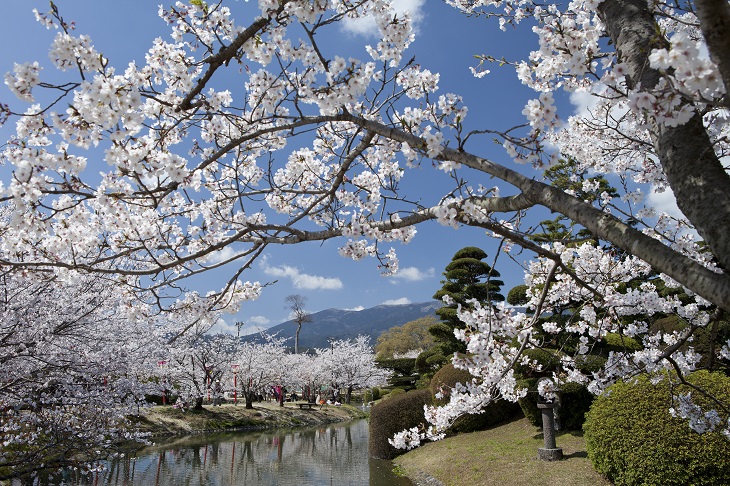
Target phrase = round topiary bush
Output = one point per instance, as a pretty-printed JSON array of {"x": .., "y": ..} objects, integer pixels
[
  {"x": 528, "y": 403},
  {"x": 633, "y": 440},
  {"x": 618, "y": 343},
  {"x": 391, "y": 416},
  {"x": 495, "y": 413},
  {"x": 393, "y": 392}
]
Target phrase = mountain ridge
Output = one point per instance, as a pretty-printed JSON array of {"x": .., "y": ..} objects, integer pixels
[{"x": 338, "y": 324}]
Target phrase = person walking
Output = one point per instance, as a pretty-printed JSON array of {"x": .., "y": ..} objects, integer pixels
[{"x": 217, "y": 393}]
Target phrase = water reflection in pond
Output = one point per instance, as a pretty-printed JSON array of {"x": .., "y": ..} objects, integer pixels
[{"x": 329, "y": 455}]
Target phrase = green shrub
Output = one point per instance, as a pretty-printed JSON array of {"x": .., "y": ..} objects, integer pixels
[
  {"x": 633, "y": 440},
  {"x": 495, "y": 413},
  {"x": 528, "y": 403},
  {"x": 376, "y": 393},
  {"x": 391, "y": 416},
  {"x": 589, "y": 363},
  {"x": 393, "y": 392},
  {"x": 547, "y": 359},
  {"x": 617, "y": 343},
  {"x": 575, "y": 402}
]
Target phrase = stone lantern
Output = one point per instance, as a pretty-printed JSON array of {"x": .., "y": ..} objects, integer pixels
[{"x": 549, "y": 452}]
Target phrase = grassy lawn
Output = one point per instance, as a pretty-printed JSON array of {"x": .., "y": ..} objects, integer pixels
[{"x": 504, "y": 455}]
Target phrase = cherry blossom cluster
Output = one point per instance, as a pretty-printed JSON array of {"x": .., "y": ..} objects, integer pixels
[
  {"x": 23, "y": 79},
  {"x": 496, "y": 337},
  {"x": 700, "y": 421}
]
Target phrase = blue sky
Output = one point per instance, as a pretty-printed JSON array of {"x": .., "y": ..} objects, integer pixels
[{"x": 446, "y": 42}]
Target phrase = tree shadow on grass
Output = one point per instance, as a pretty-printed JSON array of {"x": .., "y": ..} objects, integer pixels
[{"x": 577, "y": 454}]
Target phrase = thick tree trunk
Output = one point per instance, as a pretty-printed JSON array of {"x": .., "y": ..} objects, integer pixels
[
  {"x": 296, "y": 339},
  {"x": 700, "y": 183},
  {"x": 198, "y": 404}
]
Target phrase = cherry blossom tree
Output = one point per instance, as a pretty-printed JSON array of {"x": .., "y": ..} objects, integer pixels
[
  {"x": 261, "y": 366},
  {"x": 195, "y": 165},
  {"x": 76, "y": 366},
  {"x": 350, "y": 364},
  {"x": 197, "y": 361},
  {"x": 308, "y": 373}
]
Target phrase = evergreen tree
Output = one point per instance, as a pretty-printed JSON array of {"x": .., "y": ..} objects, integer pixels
[{"x": 467, "y": 278}]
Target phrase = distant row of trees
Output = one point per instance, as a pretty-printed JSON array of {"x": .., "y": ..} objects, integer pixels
[{"x": 79, "y": 358}]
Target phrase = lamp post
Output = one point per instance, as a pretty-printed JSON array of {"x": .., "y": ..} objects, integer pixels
[
  {"x": 207, "y": 382},
  {"x": 163, "y": 364},
  {"x": 239, "y": 325},
  {"x": 235, "y": 383}
]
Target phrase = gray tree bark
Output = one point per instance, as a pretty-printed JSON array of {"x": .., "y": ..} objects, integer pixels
[{"x": 695, "y": 174}]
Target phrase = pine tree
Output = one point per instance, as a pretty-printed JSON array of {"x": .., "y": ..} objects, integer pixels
[{"x": 467, "y": 278}]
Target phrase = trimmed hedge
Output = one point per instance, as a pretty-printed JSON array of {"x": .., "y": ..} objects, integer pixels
[
  {"x": 495, "y": 413},
  {"x": 393, "y": 415},
  {"x": 388, "y": 393},
  {"x": 618, "y": 343},
  {"x": 633, "y": 440},
  {"x": 548, "y": 359}
]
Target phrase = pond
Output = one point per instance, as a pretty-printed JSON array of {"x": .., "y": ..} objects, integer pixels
[{"x": 335, "y": 454}]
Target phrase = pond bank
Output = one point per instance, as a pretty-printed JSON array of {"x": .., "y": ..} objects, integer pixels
[{"x": 168, "y": 421}]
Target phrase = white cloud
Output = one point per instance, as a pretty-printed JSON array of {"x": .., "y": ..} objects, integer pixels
[
  {"x": 260, "y": 320},
  {"x": 665, "y": 201},
  {"x": 367, "y": 27},
  {"x": 221, "y": 255},
  {"x": 401, "y": 301},
  {"x": 413, "y": 274},
  {"x": 245, "y": 331},
  {"x": 302, "y": 280},
  {"x": 223, "y": 327},
  {"x": 356, "y": 309},
  {"x": 583, "y": 102}
]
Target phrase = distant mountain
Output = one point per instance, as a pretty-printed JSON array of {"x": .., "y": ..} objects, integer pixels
[{"x": 346, "y": 324}]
